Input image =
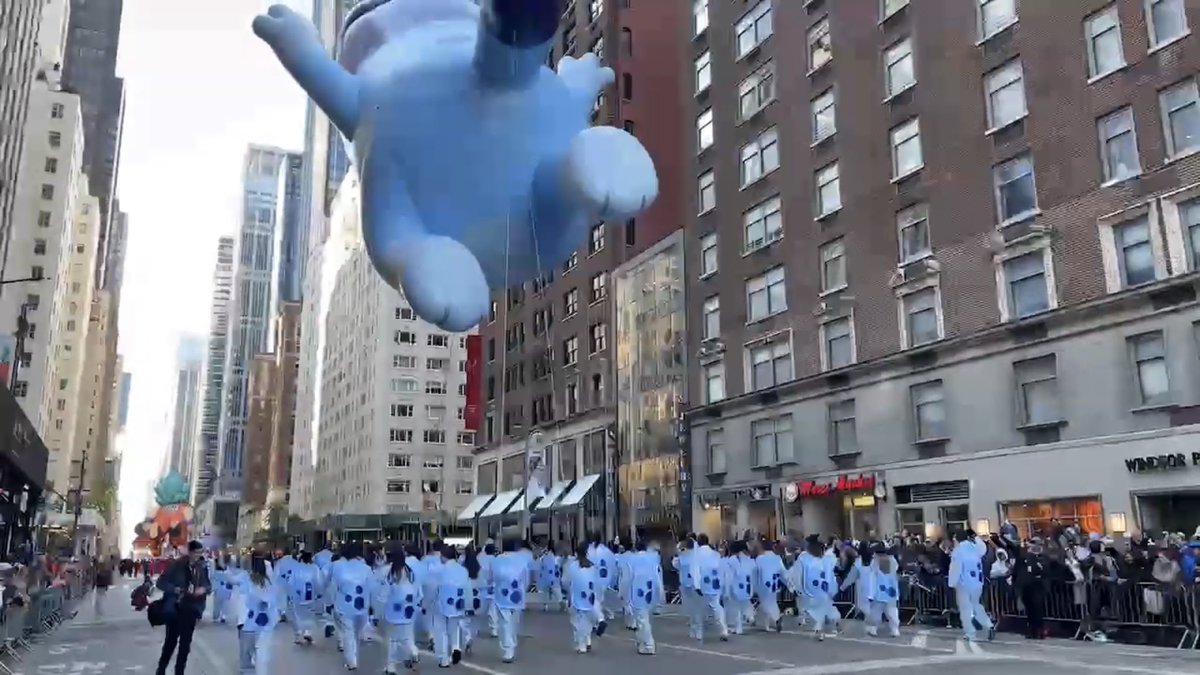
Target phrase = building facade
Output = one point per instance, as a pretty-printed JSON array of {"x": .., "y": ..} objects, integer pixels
[
  {"x": 851, "y": 378},
  {"x": 250, "y": 308},
  {"x": 204, "y": 472},
  {"x": 548, "y": 359},
  {"x": 18, "y": 66},
  {"x": 185, "y": 407},
  {"x": 287, "y": 357},
  {"x": 289, "y": 234},
  {"x": 260, "y": 430}
]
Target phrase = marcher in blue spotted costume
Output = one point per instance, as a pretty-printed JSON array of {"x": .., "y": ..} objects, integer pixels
[
  {"x": 769, "y": 582},
  {"x": 884, "y": 589},
  {"x": 402, "y": 606},
  {"x": 550, "y": 579},
  {"x": 706, "y": 576},
  {"x": 258, "y": 612},
  {"x": 815, "y": 580},
  {"x": 222, "y": 587},
  {"x": 966, "y": 578},
  {"x": 606, "y": 570},
  {"x": 352, "y": 580},
  {"x": 645, "y": 587},
  {"x": 510, "y": 579},
  {"x": 303, "y": 579},
  {"x": 583, "y": 589},
  {"x": 450, "y": 606},
  {"x": 738, "y": 580}
]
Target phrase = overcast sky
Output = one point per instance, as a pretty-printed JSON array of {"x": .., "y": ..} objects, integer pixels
[{"x": 199, "y": 87}]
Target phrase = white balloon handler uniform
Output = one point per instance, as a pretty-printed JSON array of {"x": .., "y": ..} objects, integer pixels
[
  {"x": 816, "y": 585},
  {"x": 549, "y": 581},
  {"x": 510, "y": 579},
  {"x": 737, "y": 573},
  {"x": 283, "y": 587},
  {"x": 257, "y": 611},
  {"x": 323, "y": 559},
  {"x": 605, "y": 562},
  {"x": 860, "y": 578},
  {"x": 303, "y": 581},
  {"x": 625, "y": 588},
  {"x": 223, "y": 581},
  {"x": 352, "y": 580},
  {"x": 487, "y": 609},
  {"x": 706, "y": 578},
  {"x": 884, "y": 593},
  {"x": 966, "y": 578},
  {"x": 770, "y": 578},
  {"x": 645, "y": 589},
  {"x": 448, "y": 610},
  {"x": 583, "y": 585},
  {"x": 401, "y": 608}
]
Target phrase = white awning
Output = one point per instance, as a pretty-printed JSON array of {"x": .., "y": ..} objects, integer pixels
[
  {"x": 578, "y": 492},
  {"x": 500, "y": 504},
  {"x": 519, "y": 505},
  {"x": 475, "y": 507},
  {"x": 557, "y": 490}
]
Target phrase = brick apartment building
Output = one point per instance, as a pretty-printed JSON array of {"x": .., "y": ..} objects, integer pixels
[
  {"x": 943, "y": 270},
  {"x": 548, "y": 349}
]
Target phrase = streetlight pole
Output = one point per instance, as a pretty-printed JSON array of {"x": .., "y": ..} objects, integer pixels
[
  {"x": 83, "y": 459},
  {"x": 22, "y": 332},
  {"x": 534, "y": 439}
]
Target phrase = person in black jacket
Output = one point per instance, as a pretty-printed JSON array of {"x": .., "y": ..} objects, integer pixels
[
  {"x": 1031, "y": 579},
  {"x": 184, "y": 586}
]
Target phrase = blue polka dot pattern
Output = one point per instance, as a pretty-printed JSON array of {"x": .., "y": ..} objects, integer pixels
[
  {"x": 396, "y": 607},
  {"x": 603, "y": 573},
  {"x": 641, "y": 593},
  {"x": 458, "y": 604},
  {"x": 592, "y": 597},
  {"x": 716, "y": 584},
  {"x": 408, "y": 612},
  {"x": 891, "y": 591},
  {"x": 583, "y": 595},
  {"x": 359, "y": 603},
  {"x": 450, "y": 601},
  {"x": 476, "y": 604},
  {"x": 591, "y": 586},
  {"x": 228, "y": 586},
  {"x": 408, "y": 598},
  {"x": 347, "y": 598},
  {"x": 459, "y": 593},
  {"x": 822, "y": 574},
  {"x": 515, "y": 597},
  {"x": 358, "y": 590}
]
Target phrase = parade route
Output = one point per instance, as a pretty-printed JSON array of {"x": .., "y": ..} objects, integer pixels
[{"x": 122, "y": 642}]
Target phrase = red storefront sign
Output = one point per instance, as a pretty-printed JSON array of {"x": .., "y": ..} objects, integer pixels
[
  {"x": 473, "y": 411},
  {"x": 861, "y": 483}
]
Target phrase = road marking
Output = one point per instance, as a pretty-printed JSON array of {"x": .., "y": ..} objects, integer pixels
[
  {"x": 207, "y": 652},
  {"x": 880, "y": 664},
  {"x": 920, "y": 640},
  {"x": 713, "y": 652},
  {"x": 468, "y": 665},
  {"x": 874, "y": 642}
]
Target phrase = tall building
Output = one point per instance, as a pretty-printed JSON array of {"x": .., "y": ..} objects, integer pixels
[
  {"x": 89, "y": 70},
  {"x": 289, "y": 234},
  {"x": 287, "y": 355},
  {"x": 186, "y": 406},
  {"x": 250, "y": 311},
  {"x": 204, "y": 472},
  {"x": 91, "y": 426},
  {"x": 124, "y": 388},
  {"x": 260, "y": 429},
  {"x": 548, "y": 345},
  {"x": 1012, "y": 292},
  {"x": 18, "y": 63}
]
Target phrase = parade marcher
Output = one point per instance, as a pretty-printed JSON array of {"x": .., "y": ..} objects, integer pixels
[
  {"x": 475, "y": 609},
  {"x": 706, "y": 576},
  {"x": 380, "y": 566},
  {"x": 606, "y": 568},
  {"x": 329, "y": 593},
  {"x": 860, "y": 579},
  {"x": 401, "y": 609},
  {"x": 184, "y": 586},
  {"x": 449, "y": 607},
  {"x": 549, "y": 578},
  {"x": 884, "y": 590},
  {"x": 304, "y": 580},
  {"x": 352, "y": 580},
  {"x": 432, "y": 564},
  {"x": 966, "y": 578},
  {"x": 222, "y": 587},
  {"x": 583, "y": 586},
  {"x": 689, "y": 595},
  {"x": 489, "y": 607},
  {"x": 510, "y": 579},
  {"x": 281, "y": 575},
  {"x": 645, "y": 587},
  {"x": 256, "y": 606},
  {"x": 738, "y": 582},
  {"x": 813, "y": 578}
]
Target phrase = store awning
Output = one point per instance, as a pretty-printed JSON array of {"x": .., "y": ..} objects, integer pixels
[
  {"x": 500, "y": 504},
  {"x": 578, "y": 491},
  {"x": 555, "y": 492},
  {"x": 475, "y": 507}
]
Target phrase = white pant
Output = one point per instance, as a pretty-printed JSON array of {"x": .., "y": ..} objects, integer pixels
[
  {"x": 736, "y": 612},
  {"x": 401, "y": 645},
  {"x": 254, "y": 652},
  {"x": 220, "y": 600},
  {"x": 508, "y": 622},
  {"x": 768, "y": 608},
  {"x": 493, "y": 619},
  {"x": 821, "y": 610},
  {"x": 969, "y": 607},
  {"x": 352, "y": 629},
  {"x": 709, "y": 607},
  {"x": 467, "y": 627},
  {"x": 612, "y": 602},
  {"x": 552, "y": 596},
  {"x": 644, "y": 635},
  {"x": 878, "y": 611},
  {"x": 98, "y": 600},
  {"x": 447, "y": 637},
  {"x": 582, "y": 623},
  {"x": 303, "y": 618}
]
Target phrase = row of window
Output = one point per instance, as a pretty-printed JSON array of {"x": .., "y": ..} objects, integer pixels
[
  {"x": 1035, "y": 390},
  {"x": 408, "y": 337},
  {"x": 409, "y": 362},
  {"x": 400, "y": 460},
  {"x": 410, "y": 385},
  {"x": 430, "y": 436},
  {"x": 403, "y": 486}
]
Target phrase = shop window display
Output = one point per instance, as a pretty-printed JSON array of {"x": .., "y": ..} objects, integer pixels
[{"x": 1034, "y": 517}]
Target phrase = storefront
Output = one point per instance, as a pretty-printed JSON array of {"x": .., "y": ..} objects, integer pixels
[
  {"x": 23, "y": 458},
  {"x": 844, "y": 504},
  {"x": 1146, "y": 480},
  {"x": 730, "y": 513}
]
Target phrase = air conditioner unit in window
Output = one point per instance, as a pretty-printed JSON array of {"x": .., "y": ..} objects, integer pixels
[
  {"x": 754, "y": 245},
  {"x": 774, "y": 236}
]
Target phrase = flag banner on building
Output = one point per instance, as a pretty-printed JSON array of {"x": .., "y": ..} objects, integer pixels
[
  {"x": 8, "y": 352},
  {"x": 535, "y": 479},
  {"x": 472, "y": 410}
]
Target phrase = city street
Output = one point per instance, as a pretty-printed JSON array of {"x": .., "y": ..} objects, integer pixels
[{"x": 122, "y": 642}]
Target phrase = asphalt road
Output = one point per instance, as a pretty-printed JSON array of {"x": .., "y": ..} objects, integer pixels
[{"x": 121, "y": 642}]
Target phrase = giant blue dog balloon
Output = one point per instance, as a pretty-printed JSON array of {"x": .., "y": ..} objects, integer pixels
[{"x": 479, "y": 169}]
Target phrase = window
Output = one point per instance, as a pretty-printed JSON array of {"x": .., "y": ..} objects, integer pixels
[
  {"x": 906, "y": 149},
  {"x": 435, "y": 387},
  {"x": 434, "y": 462},
  {"x": 921, "y": 317},
  {"x": 599, "y": 287},
  {"x": 405, "y": 314},
  {"x": 890, "y": 7},
  {"x": 929, "y": 411},
  {"x": 400, "y": 435},
  {"x": 1025, "y": 280},
  {"x": 700, "y": 16},
  {"x": 763, "y": 224},
  {"x": 1181, "y": 117},
  {"x": 596, "y": 239},
  {"x": 437, "y": 340},
  {"x": 399, "y": 461},
  {"x": 898, "y": 67},
  {"x": 1103, "y": 33},
  {"x": 39, "y": 246},
  {"x": 570, "y": 351},
  {"x": 37, "y": 272},
  {"x": 833, "y": 265},
  {"x": 20, "y": 388},
  {"x": 843, "y": 434},
  {"x": 829, "y": 190},
  {"x": 706, "y": 192},
  {"x": 403, "y": 409},
  {"x": 704, "y": 130},
  {"x": 71, "y": 325},
  {"x": 756, "y": 91},
  {"x": 55, "y": 139},
  {"x": 770, "y": 365},
  {"x": 43, "y": 219},
  {"x": 838, "y": 341},
  {"x": 1190, "y": 214},
  {"x": 824, "y": 116},
  {"x": 712, "y": 318},
  {"x": 399, "y": 486},
  {"x": 703, "y": 71},
  {"x": 598, "y": 338},
  {"x": 1150, "y": 368},
  {"x": 913, "y": 225},
  {"x": 995, "y": 16},
  {"x": 714, "y": 382},
  {"x": 1118, "y": 145},
  {"x": 760, "y": 156},
  {"x": 772, "y": 440},
  {"x": 765, "y": 295},
  {"x": 437, "y": 364},
  {"x": 1166, "y": 21},
  {"x": 435, "y": 436},
  {"x": 570, "y": 301},
  {"x": 1135, "y": 254},
  {"x": 47, "y": 191},
  {"x": 404, "y": 361},
  {"x": 464, "y": 463},
  {"x": 820, "y": 45},
  {"x": 56, "y": 111},
  {"x": 1037, "y": 391},
  {"x": 1005, "y": 87},
  {"x": 404, "y": 337},
  {"x": 715, "y": 440},
  {"x": 1016, "y": 193},
  {"x": 753, "y": 28},
  {"x": 708, "y": 254},
  {"x": 51, "y": 165},
  {"x": 33, "y": 301}
]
